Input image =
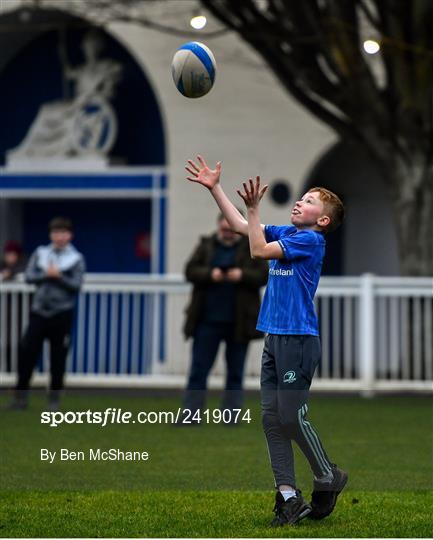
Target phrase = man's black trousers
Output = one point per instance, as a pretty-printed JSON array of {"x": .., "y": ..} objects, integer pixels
[
  {"x": 57, "y": 330},
  {"x": 207, "y": 339}
]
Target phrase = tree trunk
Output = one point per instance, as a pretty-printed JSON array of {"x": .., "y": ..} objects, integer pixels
[{"x": 412, "y": 189}]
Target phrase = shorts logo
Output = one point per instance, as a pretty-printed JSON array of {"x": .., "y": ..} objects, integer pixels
[{"x": 289, "y": 377}]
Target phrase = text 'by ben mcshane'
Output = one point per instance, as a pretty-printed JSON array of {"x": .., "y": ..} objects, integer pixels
[{"x": 93, "y": 454}]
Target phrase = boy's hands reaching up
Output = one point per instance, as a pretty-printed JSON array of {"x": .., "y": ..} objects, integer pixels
[
  {"x": 202, "y": 174},
  {"x": 252, "y": 194},
  {"x": 210, "y": 178}
]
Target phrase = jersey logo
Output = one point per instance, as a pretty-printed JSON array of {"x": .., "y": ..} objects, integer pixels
[
  {"x": 280, "y": 272},
  {"x": 289, "y": 377}
]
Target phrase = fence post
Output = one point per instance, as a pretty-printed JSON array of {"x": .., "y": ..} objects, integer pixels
[
  {"x": 156, "y": 329},
  {"x": 366, "y": 335}
]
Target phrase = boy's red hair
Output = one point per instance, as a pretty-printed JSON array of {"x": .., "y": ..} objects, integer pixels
[{"x": 333, "y": 206}]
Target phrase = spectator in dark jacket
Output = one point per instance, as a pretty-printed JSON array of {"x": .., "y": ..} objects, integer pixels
[
  {"x": 224, "y": 307},
  {"x": 57, "y": 272}
]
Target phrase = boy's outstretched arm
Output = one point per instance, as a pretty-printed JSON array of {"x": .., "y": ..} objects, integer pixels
[
  {"x": 210, "y": 178},
  {"x": 259, "y": 248}
]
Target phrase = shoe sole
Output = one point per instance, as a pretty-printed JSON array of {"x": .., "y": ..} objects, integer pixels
[
  {"x": 343, "y": 483},
  {"x": 296, "y": 519},
  {"x": 337, "y": 492},
  {"x": 304, "y": 514}
]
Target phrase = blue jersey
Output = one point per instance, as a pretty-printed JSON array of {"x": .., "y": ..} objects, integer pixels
[{"x": 288, "y": 306}]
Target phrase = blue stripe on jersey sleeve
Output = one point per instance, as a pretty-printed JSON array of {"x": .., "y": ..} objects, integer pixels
[{"x": 284, "y": 248}]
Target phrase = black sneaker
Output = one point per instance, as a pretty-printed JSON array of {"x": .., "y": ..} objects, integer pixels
[
  {"x": 291, "y": 511},
  {"x": 324, "y": 496},
  {"x": 53, "y": 400},
  {"x": 19, "y": 402},
  {"x": 16, "y": 405},
  {"x": 188, "y": 420}
]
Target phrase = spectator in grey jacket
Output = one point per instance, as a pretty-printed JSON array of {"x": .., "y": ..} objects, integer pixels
[{"x": 57, "y": 272}]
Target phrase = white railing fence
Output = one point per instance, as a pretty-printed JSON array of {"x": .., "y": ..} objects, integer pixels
[{"x": 377, "y": 333}]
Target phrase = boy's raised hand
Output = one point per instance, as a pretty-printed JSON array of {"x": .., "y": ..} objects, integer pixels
[
  {"x": 202, "y": 174},
  {"x": 252, "y": 194}
]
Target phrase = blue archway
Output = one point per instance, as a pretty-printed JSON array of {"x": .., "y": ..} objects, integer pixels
[
  {"x": 358, "y": 245},
  {"x": 127, "y": 202}
]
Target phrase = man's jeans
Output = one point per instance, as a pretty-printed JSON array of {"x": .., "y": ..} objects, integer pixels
[{"x": 207, "y": 339}]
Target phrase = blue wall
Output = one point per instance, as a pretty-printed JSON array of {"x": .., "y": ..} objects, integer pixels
[{"x": 105, "y": 231}]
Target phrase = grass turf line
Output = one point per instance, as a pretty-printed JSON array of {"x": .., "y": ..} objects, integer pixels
[{"x": 206, "y": 514}]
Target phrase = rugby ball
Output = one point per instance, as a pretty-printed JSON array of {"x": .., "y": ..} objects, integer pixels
[{"x": 193, "y": 69}]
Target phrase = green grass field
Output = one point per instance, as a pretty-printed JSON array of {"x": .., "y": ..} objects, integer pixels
[{"x": 214, "y": 480}]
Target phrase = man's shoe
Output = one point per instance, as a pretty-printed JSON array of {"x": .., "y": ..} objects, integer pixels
[
  {"x": 291, "y": 511},
  {"x": 19, "y": 402},
  {"x": 324, "y": 496},
  {"x": 53, "y": 400},
  {"x": 189, "y": 423},
  {"x": 16, "y": 405},
  {"x": 188, "y": 420}
]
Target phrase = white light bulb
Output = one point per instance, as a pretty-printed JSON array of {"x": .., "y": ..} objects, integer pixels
[
  {"x": 198, "y": 22},
  {"x": 371, "y": 46}
]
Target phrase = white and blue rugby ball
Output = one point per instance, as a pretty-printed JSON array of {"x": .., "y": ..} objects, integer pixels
[{"x": 193, "y": 69}]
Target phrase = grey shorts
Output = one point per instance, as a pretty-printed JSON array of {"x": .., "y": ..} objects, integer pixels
[
  {"x": 288, "y": 366},
  {"x": 289, "y": 362}
]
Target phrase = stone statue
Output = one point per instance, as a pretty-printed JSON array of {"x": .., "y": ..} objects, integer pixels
[{"x": 83, "y": 126}]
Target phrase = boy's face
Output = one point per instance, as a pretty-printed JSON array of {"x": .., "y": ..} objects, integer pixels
[
  {"x": 308, "y": 213},
  {"x": 60, "y": 238},
  {"x": 11, "y": 258}
]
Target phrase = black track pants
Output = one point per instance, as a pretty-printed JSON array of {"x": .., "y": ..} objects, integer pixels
[{"x": 288, "y": 365}]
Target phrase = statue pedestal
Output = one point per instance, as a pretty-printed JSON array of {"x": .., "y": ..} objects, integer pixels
[{"x": 94, "y": 162}]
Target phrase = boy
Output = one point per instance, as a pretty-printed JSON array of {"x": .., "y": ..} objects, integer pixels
[
  {"x": 292, "y": 344},
  {"x": 57, "y": 271}
]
